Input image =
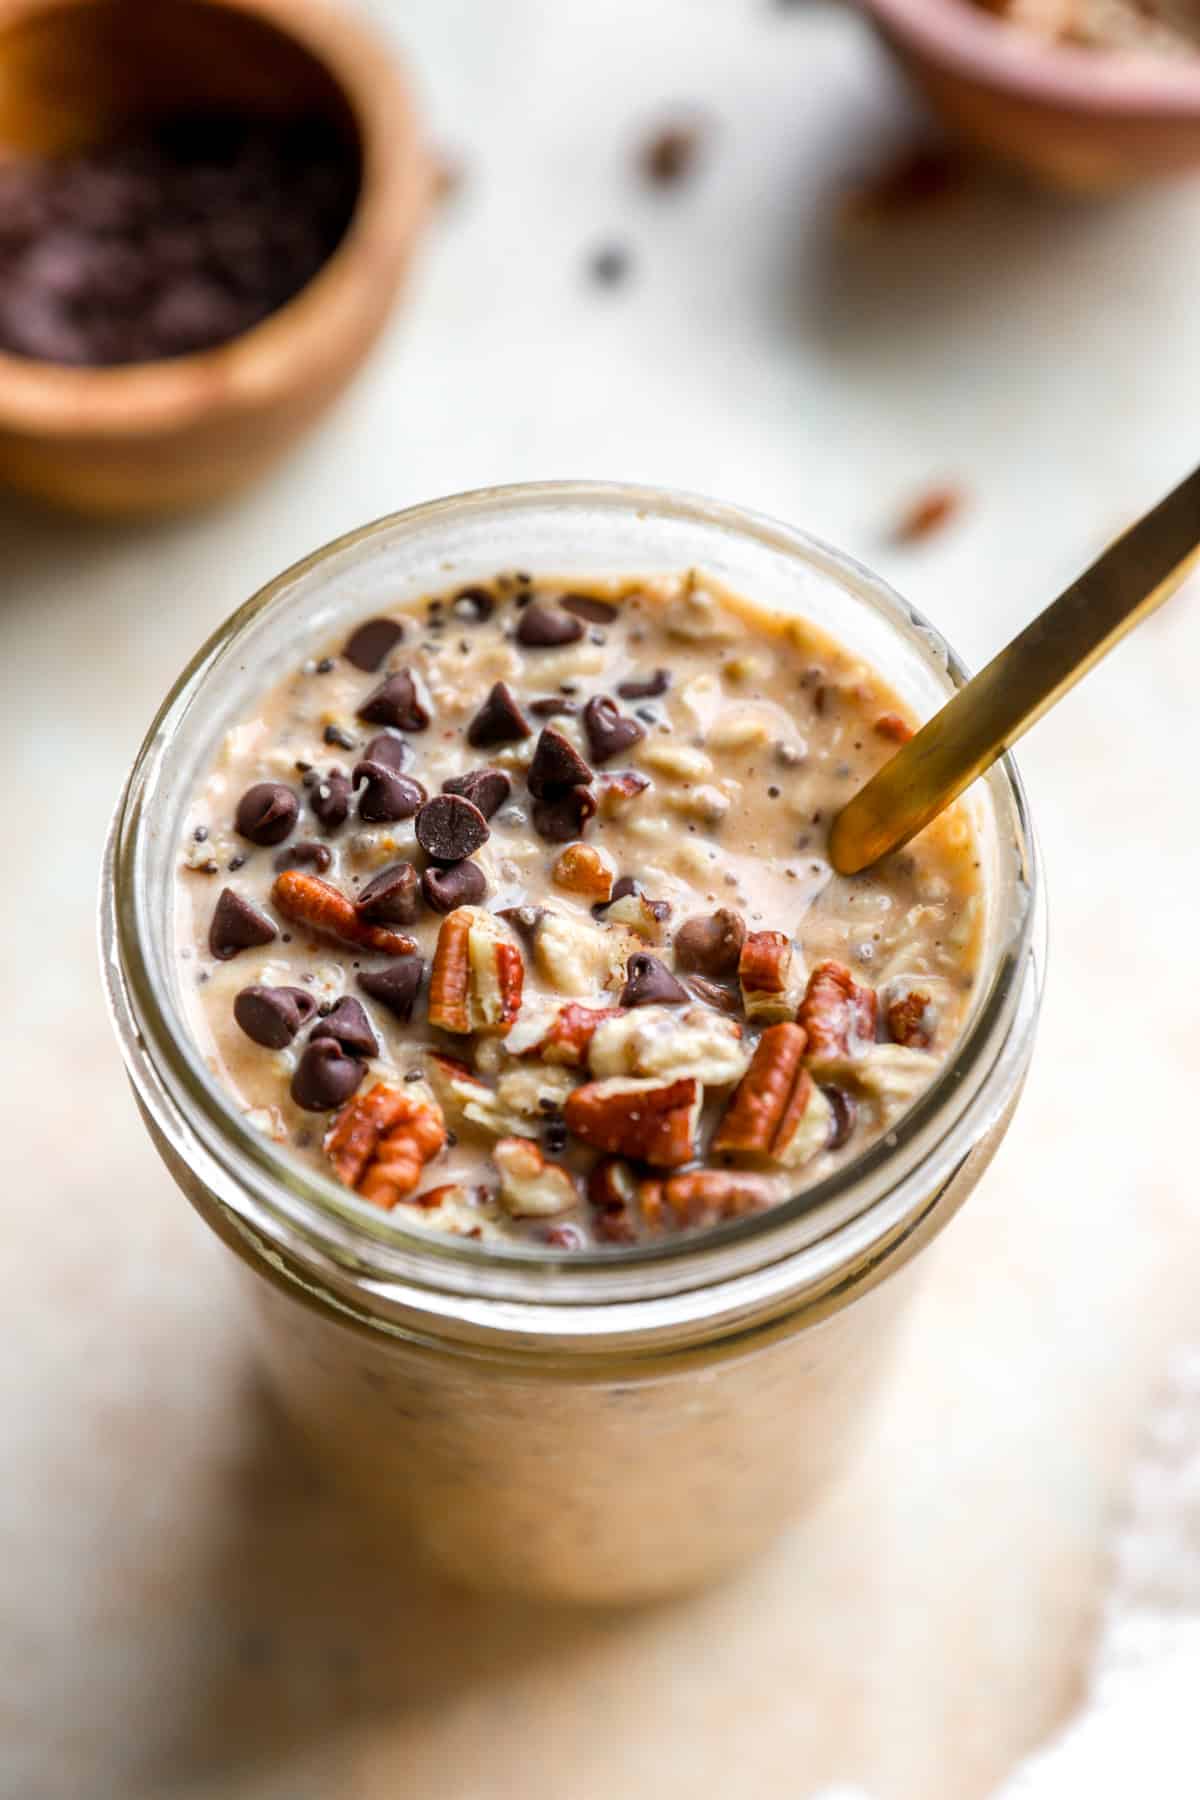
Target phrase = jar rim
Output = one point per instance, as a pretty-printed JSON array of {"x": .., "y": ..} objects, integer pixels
[{"x": 284, "y": 1204}]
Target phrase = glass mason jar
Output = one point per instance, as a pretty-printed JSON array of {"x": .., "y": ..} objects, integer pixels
[{"x": 604, "y": 1425}]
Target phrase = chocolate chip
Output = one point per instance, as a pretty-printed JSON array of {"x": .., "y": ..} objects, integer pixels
[
  {"x": 596, "y": 612},
  {"x": 339, "y": 737},
  {"x": 609, "y": 265},
  {"x": 647, "y": 688},
  {"x": 556, "y": 766},
  {"x": 395, "y": 987},
  {"x": 563, "y": 819},
  {"x": 266, "y": 812},
  {"x": 391, "y": 751},
  {"x": 367, "y": 646},
  {"x": 325, "y": 1076},
  {"x": 487, "y": 789},
  {"x": 552, "y": 707},
  {"x": 499, "y": 720},
  {"x": 462, "y": 884},
  {"x": 711, "y": 945},
  {"x": 715, "y": 993},
  {"x": 391, "y": 898},
  {"x": 273, "y": 1015},
  {"x": 348, "y": 1025},
  {"x": 524, "y": 920},
  {"x": 845, "y": 1116},
  {"x": 236, "y": 925},
  {"x": 396, "y": 702},
  {"x": 473, "y": 605},
  {"x": 608, "y": 731},
  {"x": 305, "y": 853},
  {"x": 623, "y": 887},
  {"x": 450, "y": 828},
  {"x": 543, "y": 628},
  {"x": 650, "y": 983},
  {"x": 329, "y": 798},
  {"x": 386, "y": 796}
]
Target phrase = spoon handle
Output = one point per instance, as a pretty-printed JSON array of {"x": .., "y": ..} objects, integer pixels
[{"x": 996, "y": 707}]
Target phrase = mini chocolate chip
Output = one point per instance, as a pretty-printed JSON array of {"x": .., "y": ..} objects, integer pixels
[
  {"x": 524, "y": 920},
  {"x": 647, "y": 688},
  {"x": 395, "y": 987},
  {"x": 499, "y": 720},
  {"x": 609, "y": 265},
  {"x": 450, "y": 828},
  {"x": 391, "y": 751},
  {"x": 200, "y": 833},
  {"x": 348, "y": 1025},
  {"x": 325, "y": 1076},
  {"x": 543, "y": 628},
  {"x": 273, "y": 1015},
  {"x": 712, "y": 944},
  {"x": 306, "y": 853},
  {"x": 552, "y": 707},
  {"x": 339, "y": 737},
  {"x": 329, "y": 798},
  {"x": 396, "y": 702},
  {"x": 367, "y": 646},
  {"x": 462, "y": 884},
  {"x": 608, "y": 731},
  {"x": 556, "y": 766},
  {"x": 266, "y": 812},
  {"x": 487, "y": 789},
  {"x": 562, "y": 819},
  {"x": 845, "y": 1115},
  {"x": 649, "y": 982},
  {"x": 391, "y": 898},
  {"x": 596, "y": 612},
  {"x": 715, "y": 993},
  {"x": 473, "y": 605},
  {"x": 236, "y": 925},
  {"x": 386, "y": 796}
]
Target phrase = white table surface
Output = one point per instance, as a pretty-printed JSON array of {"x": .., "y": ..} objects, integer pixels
[{"x": 183, "y": 1610}]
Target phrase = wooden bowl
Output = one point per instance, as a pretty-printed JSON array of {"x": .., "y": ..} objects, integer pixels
[
  {"x": 1076, "y": 118},
  {"x": 153, "y": 437}
]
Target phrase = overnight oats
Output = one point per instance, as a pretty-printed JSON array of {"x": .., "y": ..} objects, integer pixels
[
  {"x": 483, "y": 982},
  {"x": 511, "y": 907}
]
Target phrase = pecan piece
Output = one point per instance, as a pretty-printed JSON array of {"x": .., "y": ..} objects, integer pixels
[
  {"x": 652, "y": 1121},
  {"x": 892, "y": 726},
  {"x": 777, "y": 1112},
  {"x": 477, "y": 975},
  {"x": 767, "y": 974},
  {"x": 586, "y": 871},
  {"x": 530, "y": 1186},
  {"x": 566, "y": 1039},
  {"x": 911, "y": 1020},
  {"x": 702, "y": 1197},
  {"x": 381, "y": 1140},
  {"x": 838, "y": 1015},
  {"x": 319, "y": 906},
  {"x": 619, "y": 791}
]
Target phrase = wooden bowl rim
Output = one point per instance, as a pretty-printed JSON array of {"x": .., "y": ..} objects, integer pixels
[
  {"x": 964, "y": 38},
  {"x": 296, "y": 343}
]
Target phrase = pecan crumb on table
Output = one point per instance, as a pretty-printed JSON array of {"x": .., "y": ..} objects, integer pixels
[{"x": 526, "y": 929}]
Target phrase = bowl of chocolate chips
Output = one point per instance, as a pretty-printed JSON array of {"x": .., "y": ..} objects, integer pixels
[{"x": 206, "y": 211}]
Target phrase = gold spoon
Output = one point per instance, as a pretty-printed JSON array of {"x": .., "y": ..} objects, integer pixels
[{"x": 987, "y": 716}]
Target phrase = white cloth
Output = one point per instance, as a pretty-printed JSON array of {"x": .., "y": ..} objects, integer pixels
[{"x": 1137, "y": 1736}]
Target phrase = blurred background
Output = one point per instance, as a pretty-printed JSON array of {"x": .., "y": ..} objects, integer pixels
[{"x": 972, "y": 385}]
